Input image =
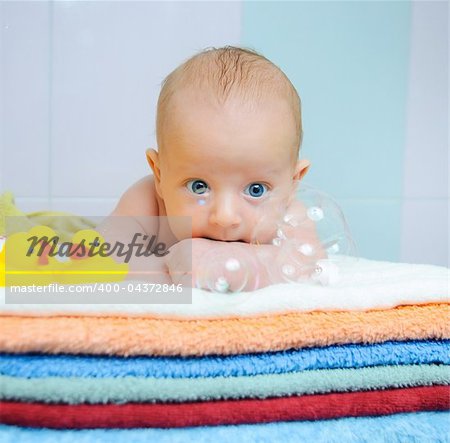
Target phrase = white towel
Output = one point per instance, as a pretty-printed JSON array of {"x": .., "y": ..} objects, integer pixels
[{"x": 363, "y": 285}]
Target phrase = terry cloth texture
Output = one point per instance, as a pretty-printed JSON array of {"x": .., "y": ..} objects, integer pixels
[
  {"x": 306, "y": 407},
  {"x": 398, "y": 428},
  {"x": 147, "y": 336},
  {"x": 330, "y": 357},
  {"x": 132, "y": 389},
  {"x": 363, "y": 285}
]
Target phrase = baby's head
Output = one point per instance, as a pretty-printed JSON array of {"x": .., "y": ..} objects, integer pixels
[{"x": 229, "y": 132}]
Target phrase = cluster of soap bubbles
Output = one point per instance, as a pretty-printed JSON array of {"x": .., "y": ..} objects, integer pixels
[
  {"x": 222, "y": 271},
  {"x": 309, "y": 242}
]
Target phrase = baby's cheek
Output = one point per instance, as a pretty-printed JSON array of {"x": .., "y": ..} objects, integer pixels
[
  {"x": 179, "y": 218},
  {"x": 194, "y": 225},
  {"x": 181, "y": 227},
  {"x": 199, "y": 230}
]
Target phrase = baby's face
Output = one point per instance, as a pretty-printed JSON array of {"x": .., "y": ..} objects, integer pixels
[{"x": 227, "y": 166}]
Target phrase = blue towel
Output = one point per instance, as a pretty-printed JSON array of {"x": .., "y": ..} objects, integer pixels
[
  {"x": 399, "y": 428},
  {"x": 331, "y": 357}
]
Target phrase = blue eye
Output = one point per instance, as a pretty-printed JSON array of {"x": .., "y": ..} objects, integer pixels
[
  {"x": 256, "y": 190},
  {"x": 197, "y": 186}
]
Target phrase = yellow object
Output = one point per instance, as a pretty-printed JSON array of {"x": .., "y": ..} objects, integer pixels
[
  {"x": 42, "y": 266},
  {"x": 2, "y": 261},
  {"x": 9, "y": 209}
]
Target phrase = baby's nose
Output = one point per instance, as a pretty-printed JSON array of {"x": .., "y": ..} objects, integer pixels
[{"x": 225, "y": 212}]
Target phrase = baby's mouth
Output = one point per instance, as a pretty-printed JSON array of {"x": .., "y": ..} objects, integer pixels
[{"x": 228, "y": 241}]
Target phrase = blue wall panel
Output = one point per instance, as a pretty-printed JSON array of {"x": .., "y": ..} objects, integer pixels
[{"x": 349, "y": 61}]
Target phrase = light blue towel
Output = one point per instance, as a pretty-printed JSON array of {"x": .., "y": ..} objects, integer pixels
[
  {"x": 331, "y": 357},
  {"x": 399, "y": 428}
]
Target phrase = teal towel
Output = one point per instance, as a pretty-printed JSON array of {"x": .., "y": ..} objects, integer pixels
[{"x": 134, "y": 389}]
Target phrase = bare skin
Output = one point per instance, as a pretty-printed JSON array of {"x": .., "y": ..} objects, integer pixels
[{"x": 224, "y": 167}]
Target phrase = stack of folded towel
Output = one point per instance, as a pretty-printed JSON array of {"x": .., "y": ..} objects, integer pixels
[{"x": 278, "y": 362}]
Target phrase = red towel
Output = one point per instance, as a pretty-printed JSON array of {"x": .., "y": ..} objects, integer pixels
[{"x": 173, "y": 415}]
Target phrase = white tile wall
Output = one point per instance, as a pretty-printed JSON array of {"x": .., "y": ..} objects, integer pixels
[
  {"x": 425, "y": 237},
  {"x": 24, "y": 84},
  {"x": 32, "y": 204},
  {"x": 425, "y": 206},
  {"x": 85, "y": 206},
  {"x": 81, "y": 81},
  {"x": 427, "y": 154},
  {"x": 108, "y": 62}
]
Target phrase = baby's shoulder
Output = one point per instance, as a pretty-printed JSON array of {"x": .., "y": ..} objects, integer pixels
[{"x": 140, "y": 199}]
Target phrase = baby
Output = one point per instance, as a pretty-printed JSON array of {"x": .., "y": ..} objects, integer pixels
[{"x": 228, "y": 131}]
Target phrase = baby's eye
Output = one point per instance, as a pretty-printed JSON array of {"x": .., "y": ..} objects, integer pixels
[
  {"x": 255, "y": 189},
  {"x": 197, "y": 186}
]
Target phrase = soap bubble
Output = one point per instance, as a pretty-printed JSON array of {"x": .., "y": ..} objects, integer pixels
[
  {"x": 311, "y": 237},
  {"x": 225, "y": 270}
]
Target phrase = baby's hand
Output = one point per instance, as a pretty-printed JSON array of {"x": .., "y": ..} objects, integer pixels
[
  {"x": 184, "y": 257},
  {"x": 186, "y": 260}
]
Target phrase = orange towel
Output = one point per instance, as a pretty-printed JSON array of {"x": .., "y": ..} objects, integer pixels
[{"x": 153, "y": 336}]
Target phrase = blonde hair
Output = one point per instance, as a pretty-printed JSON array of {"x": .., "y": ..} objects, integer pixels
[{"x": 229, "y": 71}]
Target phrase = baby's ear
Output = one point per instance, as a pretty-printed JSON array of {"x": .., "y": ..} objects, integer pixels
[
  {"x": 301, "y": 168},
  {"x": 153, "y": 161}
]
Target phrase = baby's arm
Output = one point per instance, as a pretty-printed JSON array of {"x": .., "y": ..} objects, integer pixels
[
  {"x": 266, "y": 260},
  {"x": 137, "y": 213}
]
